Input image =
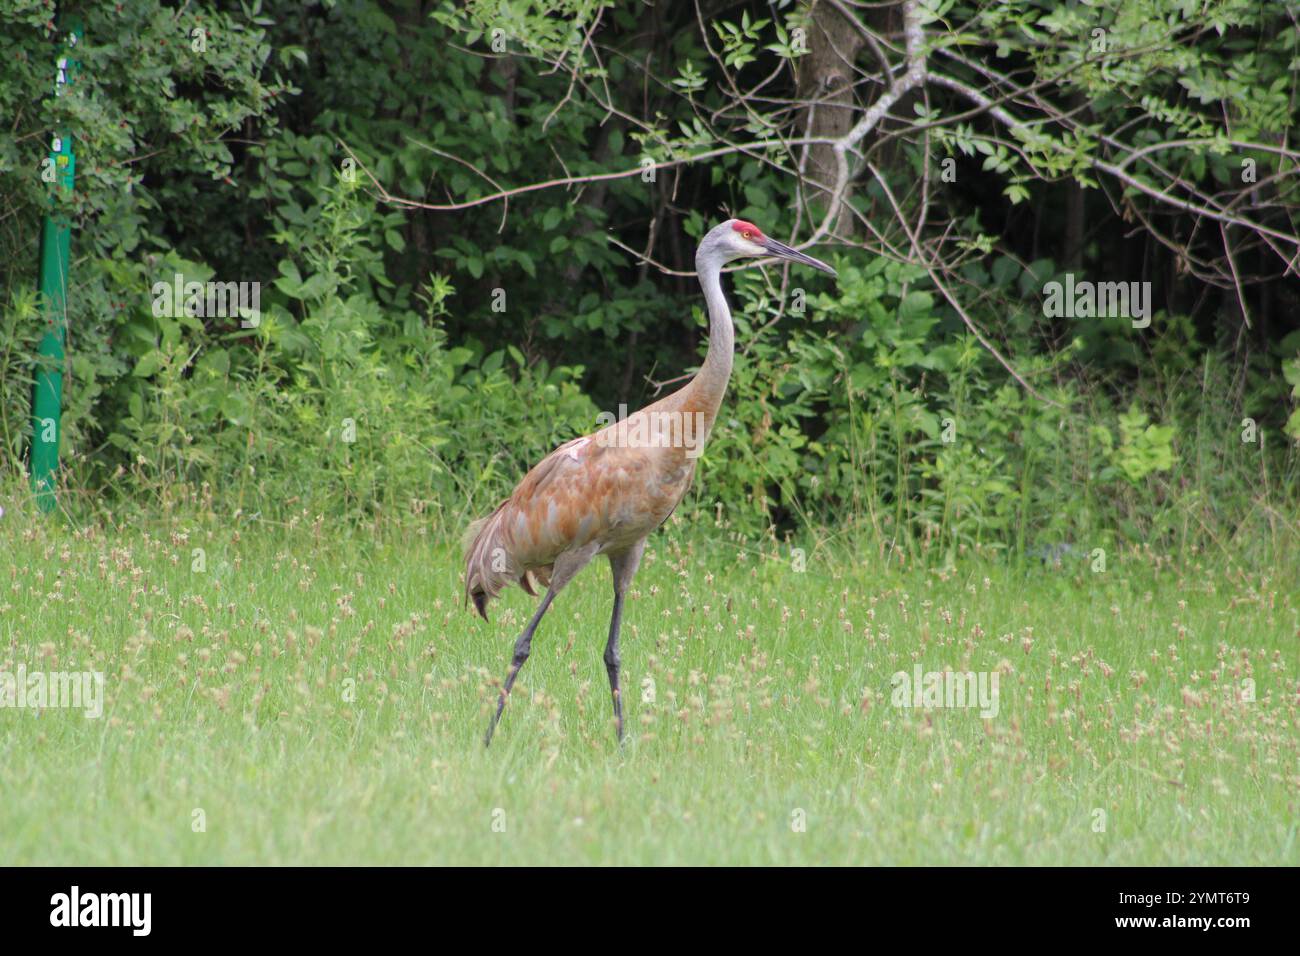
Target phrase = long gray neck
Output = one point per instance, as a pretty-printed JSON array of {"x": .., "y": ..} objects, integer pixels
[{"x": 711, "y": 382}]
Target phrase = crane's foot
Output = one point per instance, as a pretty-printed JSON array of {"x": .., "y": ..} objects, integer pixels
[
  {"x": 618, "y": 714},
  {"x": 492, "y": 724}
]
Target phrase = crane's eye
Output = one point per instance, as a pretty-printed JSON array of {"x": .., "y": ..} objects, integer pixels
[{"x": 748, "y": 235}]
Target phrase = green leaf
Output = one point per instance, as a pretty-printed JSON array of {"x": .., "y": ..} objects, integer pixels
[
  {"x": 916, "y": 304},
  {"x": 148, "y": 365}
]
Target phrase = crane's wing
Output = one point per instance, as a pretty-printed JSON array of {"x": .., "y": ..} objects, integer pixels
[
  {"x": 542, "y": 517},
  {"x": 593, "y": 488}
]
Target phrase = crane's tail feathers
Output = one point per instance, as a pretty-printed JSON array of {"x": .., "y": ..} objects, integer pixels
[
  {"x": 472, "y": 532},
  {"x": 480, "y": 603},
  {"x": 489, "y": 564}
]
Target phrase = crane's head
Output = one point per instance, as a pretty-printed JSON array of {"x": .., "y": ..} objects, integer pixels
[{"x": 737, "y": 239}]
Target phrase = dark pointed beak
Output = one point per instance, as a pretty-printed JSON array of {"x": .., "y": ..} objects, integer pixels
[{"x": 794, "y": 255}]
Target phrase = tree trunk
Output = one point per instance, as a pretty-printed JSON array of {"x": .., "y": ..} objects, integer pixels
[{"x": 826, "y": 75}]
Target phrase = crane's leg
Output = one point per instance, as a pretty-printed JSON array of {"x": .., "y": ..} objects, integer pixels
[
  {"x": 624, "y": 568},
  {"x": 566, "y": 566}
]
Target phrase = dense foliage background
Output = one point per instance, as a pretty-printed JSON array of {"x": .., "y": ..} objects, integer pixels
[{"x": 423, "y": 340}]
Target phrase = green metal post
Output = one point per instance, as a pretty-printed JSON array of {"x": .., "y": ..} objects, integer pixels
[{"x": 47, "y": 392}]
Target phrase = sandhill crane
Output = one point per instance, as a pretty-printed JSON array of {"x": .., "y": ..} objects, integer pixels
[{"x": 606, "y": 492}]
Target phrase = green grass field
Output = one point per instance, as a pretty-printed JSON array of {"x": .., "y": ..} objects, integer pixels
[{"x": 313, "y": 696}]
